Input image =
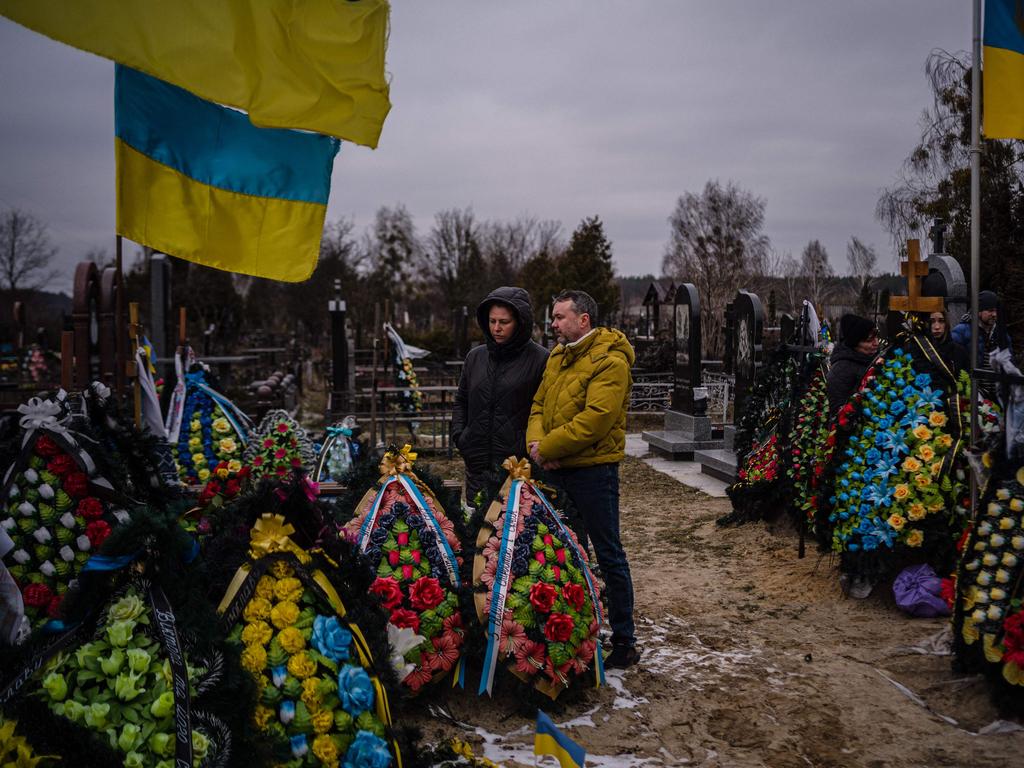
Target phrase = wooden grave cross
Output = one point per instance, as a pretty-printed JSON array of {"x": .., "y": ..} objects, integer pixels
[{"x": 915, "y": 271}]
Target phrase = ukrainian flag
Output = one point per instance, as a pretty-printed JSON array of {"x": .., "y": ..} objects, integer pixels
[
  {"x": 550, "y": 741},
  {"x": 199, "y": 181},
  {"x": 317, "y": 65},
  {"x": 1003, "y": 73}
]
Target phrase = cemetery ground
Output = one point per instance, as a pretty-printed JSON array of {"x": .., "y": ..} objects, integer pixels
[{"x": 751, "y": 657}]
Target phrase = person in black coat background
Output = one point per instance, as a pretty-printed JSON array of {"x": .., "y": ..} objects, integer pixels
[
  {"x": 857, "y": 347},
  {"x": 499, "y": 380},
  {"x": 955, "y": 355}
]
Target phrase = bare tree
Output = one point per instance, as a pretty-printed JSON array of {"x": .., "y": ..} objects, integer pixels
[
  {"x": 455, "y": 264},
  {"x": 25, "y": 252},
  {"x": 862, "y": 260},
  {"x": 715, "y": 239},
  {"x": 791, "y": 280},
  {"x": 816, "y": 271},
  {"x": 509, "y": 245}
]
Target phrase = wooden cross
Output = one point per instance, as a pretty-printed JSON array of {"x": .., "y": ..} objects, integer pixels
[{"x": 915, "y": 271}]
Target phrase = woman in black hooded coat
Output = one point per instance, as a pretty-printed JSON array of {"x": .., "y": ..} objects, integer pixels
[{"x": 497, "y": 386}]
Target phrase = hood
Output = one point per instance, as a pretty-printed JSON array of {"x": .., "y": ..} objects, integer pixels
[
  {"x": 604, "y": 341},
  {"x": 516, "y": 299},
  {"x": 843, "y": 352}
]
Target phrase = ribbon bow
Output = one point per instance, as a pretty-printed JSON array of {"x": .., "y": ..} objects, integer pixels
[
  {"x": 339, "y": 431},
  {"x": 398, "y": 463},
  {"x": 270, "y": 535},
  {"x": 41, "y": 414},
  {"x": 518, "y": 469}
]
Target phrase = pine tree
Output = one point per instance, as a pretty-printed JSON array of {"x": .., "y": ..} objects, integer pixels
[{"x": 587, "y": 266}]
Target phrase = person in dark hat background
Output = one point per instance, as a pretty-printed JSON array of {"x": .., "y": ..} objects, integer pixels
[
  {"x": 991, "y": 335},
  {"x": 496, "y": 388},
  {"x": 857, "y": 347}
]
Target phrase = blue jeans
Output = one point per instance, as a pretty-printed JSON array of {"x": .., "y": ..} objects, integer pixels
[{"x": 595, "y": 494}]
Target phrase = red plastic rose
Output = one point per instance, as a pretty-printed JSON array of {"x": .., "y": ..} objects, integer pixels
[
  {"x": 405, "y": 618},
  {"x": 76, "y": 484},
  {"x": 46, "y": 447},
  {"x": 90, "y": 508},
  {"x": 402, "y": 538},
  {"x": 574, "y": 595},
  {"x": 53, "y": 609},
  {"x": 61, "y": 464},
  {"x": 558, "y": 628},
  {"x": 393, "y": 557},
  {"x": 37, "y": 595},
  {"x": 542, "y": 596},
  {"x": 1013, "y": 638},
  {"x": 388, "y": 590},
  {"x": 425, "y": 593},
  {"x": 947, "y": 591},
  {"x": 406, "y": 572},
  {"x": 97, "y": 532}
]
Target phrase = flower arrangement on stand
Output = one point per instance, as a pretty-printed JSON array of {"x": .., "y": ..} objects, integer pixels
[
  {"x": 339, "y": 452},
  {"x": 810, "y": 434},
  {"x": 54, "y": 519},
  {"x": 278, "y": 447},
  {"x": 211, "y": 430},
  {"x": 407, "y": 376},
  {"x": 401, "y": 526},
  {"x": 535, "y": 592},
  {"x": 121, "y": 685},
  {"x": 320, "y": 701},
  {"x": 900, "y": 483}
]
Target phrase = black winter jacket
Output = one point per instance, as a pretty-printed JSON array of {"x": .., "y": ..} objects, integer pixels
[
  {"x": 847, "y": 368},
  {"x": 497, "y": 387}
]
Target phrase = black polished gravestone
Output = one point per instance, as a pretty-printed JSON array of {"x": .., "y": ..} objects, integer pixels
[
  {"x": 687, "y": 394},
  {"x": 748, "y": 354},
  {"x": 687, "y": 427}
]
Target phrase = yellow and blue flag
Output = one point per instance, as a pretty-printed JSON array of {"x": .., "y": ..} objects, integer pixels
[
  {"x": 1003, "y": 74},
  {"x": 316, "y": 65},
  {"x": 200, "y": 182},
  {"x": 550, "y": 741}
]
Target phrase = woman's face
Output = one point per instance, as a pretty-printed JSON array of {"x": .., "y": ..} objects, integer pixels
[
  {"x": 501, "y": 323},
  {"x": 937, "y": 320}
]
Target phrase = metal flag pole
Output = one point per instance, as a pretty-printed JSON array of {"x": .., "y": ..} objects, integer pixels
[{"x": 975, "y": 225}]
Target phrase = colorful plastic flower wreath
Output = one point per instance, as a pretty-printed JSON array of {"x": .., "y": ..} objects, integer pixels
[{"x": 278, "y": 447}]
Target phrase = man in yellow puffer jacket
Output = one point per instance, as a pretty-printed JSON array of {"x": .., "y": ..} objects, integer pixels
[{"x": 577, "y": 429}]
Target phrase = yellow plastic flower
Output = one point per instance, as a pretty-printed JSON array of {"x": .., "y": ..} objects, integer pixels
[
  {"x": 257, "y": 633},
  {"x": 234, "y": 466},
  {"x": 916, "y": 511},
  {"x": 926, "y": 452},
  {"x": 922, "y": 481},
  {"x": 195, "y": 442},
  {"x": 935, "y": 468},
  {"x": 254, "y": 658},
  {"x": 221, "y": 425},
  {"x": 901, "y": 491},
  {"x": 301, "y": 666},
  {"x": 263, "y": 716},
  {"x": 311, "y": 693},
  {"x": 910, "y": 464},
  {"x": 288, "y": 589},
  {"x": 258, "y": 609},
  {"x": 945, "y": 441},
  {"x": 228, "y": 445},
  {"x": 937, "y": 419},
  {"x": 223, "y": 473},
  {"x": 204, "y": 474},
  {"x": 284, "y": 614},
  {"x": 922, "y": 432},
  {"x": 194, "y": 425},
  {"x": 291, "y": 640},
  {"x": 915, "y": 538},
  {"x": 198, "y": 459},
  {"x": 935, "y": 506},
  {"x": 281, "y": 570},
  {"x": 322, "y": 721},
  {"x": 265, "y": 587},
  {"x": 897, "y": 521},
  {"x": 325, "y": 750},
  {"x": 1020, "y": 476},
  {"x": 987, "y": 460}
]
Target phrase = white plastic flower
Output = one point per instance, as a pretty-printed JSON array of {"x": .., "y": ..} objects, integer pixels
[
  {"x": 31, "y": 475},
  {"x": 15, "y": 492},
  {"x": 26, "y": 509},
  {"x": 46, "y": 491},
  {"x": 402, "y": 640},
  {"x": 67, "y": 554},
  {"x": 67, "y": 520},
  {"x": 82, "y": 542},
  {"x": 21, "y": 556},
  {"x": 121, "y": 515},
  {"x": 47, "y": 568},
  {"x": 8, "y": 524},
  {"x": 102, "y": 390},
  {"x": 42, "y": 535}
]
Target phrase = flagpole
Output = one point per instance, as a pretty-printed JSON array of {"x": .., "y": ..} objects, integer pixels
[{"x": 975, "y": 224}]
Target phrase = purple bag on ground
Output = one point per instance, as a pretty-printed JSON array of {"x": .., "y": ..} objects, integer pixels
[{"x": 918, "y": 591}]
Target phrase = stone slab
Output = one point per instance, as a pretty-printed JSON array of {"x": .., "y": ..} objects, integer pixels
[
  {"x": 686, "y": 472},
  {"x": 698, "y": 427},
  {"x": 677, "y": 443},
  {"x": 720, "y": 463}
]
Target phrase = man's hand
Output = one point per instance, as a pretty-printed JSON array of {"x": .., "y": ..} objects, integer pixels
[
  {"x": 553, "y": 464},
  {"x": 535, "y": 452}
]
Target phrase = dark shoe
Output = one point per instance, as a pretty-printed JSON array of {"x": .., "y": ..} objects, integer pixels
[{"x": 622, "y": 656}]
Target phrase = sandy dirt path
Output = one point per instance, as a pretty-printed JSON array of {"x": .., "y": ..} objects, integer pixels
[{"x": 751, "y": 657}]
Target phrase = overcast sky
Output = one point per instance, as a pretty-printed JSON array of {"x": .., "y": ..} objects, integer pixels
[{"x": 561, "y": 110}]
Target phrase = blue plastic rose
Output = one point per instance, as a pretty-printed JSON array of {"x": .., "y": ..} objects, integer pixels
[
  {"x": 355, "y": 689},
  {"x": 367, "y": 750},
  {"x": 330, "y": 638}
]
